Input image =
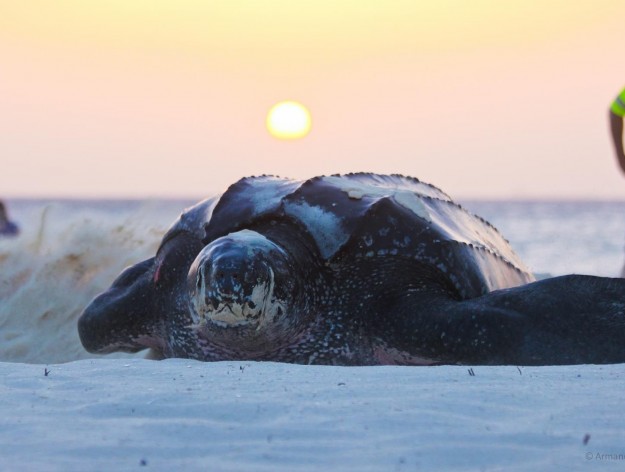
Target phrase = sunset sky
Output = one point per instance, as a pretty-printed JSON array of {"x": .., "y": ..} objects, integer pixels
[{"x": 168, "y": 98}]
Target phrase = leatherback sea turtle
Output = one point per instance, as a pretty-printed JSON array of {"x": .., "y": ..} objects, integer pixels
[{"x": 357, "y": 269}]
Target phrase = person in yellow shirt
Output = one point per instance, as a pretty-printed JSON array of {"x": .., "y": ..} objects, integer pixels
[
  {"x": 617, "y": 115},
  {"x": 617, "y": 112}
]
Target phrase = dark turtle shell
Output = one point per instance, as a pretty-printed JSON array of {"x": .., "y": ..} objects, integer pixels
[
  {"x": 366, "y": 215},
  {"x": 389, "y": 271}
]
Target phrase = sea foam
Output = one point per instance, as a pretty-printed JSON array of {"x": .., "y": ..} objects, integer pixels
[{"x": 66, "y": 255}]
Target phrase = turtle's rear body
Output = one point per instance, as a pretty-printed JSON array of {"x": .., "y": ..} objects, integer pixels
[{"x": 355, "y": 270}]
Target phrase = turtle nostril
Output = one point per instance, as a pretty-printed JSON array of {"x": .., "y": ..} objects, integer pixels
[{"x": 251, "y": 304}]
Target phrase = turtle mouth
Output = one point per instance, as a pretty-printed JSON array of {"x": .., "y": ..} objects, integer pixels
[
  {"x": 226, "y": 309},
  {"x": 230, "y": 314}
]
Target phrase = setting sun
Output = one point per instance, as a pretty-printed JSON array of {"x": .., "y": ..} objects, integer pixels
[{"x": 288, "y": 120}]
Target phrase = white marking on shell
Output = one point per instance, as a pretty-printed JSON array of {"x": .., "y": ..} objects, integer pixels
[
  {"x": 385, "y": 184},
  {"x": 326, "y": 228},
  {"x": 414, "y": 203},
  {"x": 404, "y": 197},
  {"x": 267, "y": 191}
]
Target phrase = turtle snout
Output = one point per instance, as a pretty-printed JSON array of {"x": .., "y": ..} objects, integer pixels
[
  {"x": 225, "y": 285},
  {"x": 228, "y": 294}
]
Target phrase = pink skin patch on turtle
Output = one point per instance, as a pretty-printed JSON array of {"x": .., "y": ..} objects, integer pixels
[
  {"x": 157, "y": 273},
  {"x": 390, "y": 356}
]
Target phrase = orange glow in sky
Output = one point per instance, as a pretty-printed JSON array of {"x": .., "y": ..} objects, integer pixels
[{"x": 140, "y": 98}]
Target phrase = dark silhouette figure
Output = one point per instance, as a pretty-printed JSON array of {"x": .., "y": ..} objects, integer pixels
[{"x": 7, "y": 228}]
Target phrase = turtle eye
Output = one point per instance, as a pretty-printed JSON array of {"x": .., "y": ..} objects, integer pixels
[{"x": 174, "y": 257}]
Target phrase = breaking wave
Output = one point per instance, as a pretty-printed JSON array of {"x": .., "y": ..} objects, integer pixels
[{"x": 67, "y": 253}]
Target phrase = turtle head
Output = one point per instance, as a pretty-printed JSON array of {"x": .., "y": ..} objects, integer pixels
[{"x": 242, "y": 283}]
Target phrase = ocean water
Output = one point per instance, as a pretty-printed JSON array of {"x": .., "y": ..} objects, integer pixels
[
  {"x": 557, "y": 238},
  {"x": 71, "y": 250}
]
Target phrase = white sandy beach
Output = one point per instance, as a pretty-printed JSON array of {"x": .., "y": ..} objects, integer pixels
[{"x": 135, "y": 414}]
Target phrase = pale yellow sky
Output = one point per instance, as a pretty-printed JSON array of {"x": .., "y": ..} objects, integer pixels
[{"x": 484, "y": 98}]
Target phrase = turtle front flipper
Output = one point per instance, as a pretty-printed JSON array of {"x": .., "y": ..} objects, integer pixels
[
  {"x": 132, "y": 314},
  {"x": 120, "y": 319},
  {"x": 572, "y": 319}
]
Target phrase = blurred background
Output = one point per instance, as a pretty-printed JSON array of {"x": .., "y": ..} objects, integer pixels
[{"x": 164, "y": 98}]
